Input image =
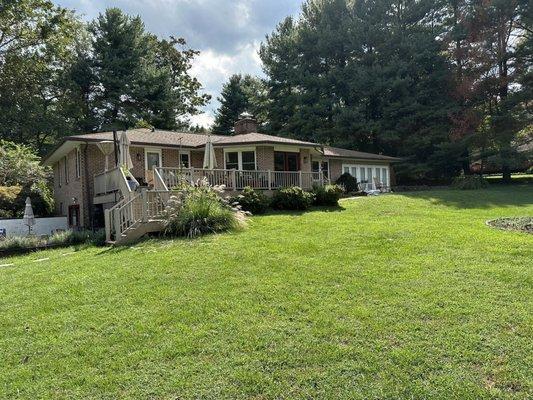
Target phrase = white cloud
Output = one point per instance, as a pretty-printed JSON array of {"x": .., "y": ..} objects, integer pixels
[
  {"x": 213, "y": 69},
  {"x": 227, "y": 32}
]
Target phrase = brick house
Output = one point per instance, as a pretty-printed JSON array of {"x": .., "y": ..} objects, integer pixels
[{"x": 84, "y": 188}]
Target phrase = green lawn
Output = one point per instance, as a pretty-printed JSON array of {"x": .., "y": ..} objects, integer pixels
[{"x": 397, "y": 296}]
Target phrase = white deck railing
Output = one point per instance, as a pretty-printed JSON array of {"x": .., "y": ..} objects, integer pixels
[
  {"x": 142, "y": 207},
  {"x": 239, "y": 179},
  {"x": 111, "y": 181}
]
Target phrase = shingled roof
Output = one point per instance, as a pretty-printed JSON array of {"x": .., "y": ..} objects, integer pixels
[
  {"x": 151, "y": 138},
  {"x": 148, "y": 137},
  {"x": 343, "y": 153}
]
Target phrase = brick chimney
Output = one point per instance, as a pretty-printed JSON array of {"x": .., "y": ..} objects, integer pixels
[{"x": 246, "y": 124}]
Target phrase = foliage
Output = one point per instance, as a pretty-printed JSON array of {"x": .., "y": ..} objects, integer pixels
[
  {"x": 199, "y": 210},
  {"x": 251, "y": 200},
  {"x": 469, "y": 182},
  {"x": 348, "y": 182},
  {"x": 62, "y": 239},
  {"x": 141, "y": 77},
  {"x": 292, "y": 198},
  {"x": 59, "y": 75},
  {"x": 312, "y": 298},
  {"x": 22, "y": 175},
  {"x": 240, "y": 94},
  {"x": 36, "y": 48},
  {"x": 327, "y": 195}
]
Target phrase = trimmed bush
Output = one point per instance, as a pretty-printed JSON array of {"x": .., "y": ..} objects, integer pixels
[
  {"x": 252, "y": 201},
  {"x": 200, "y": 210},
  {"x": 327, "y": 195},
  {"x": 469, "y": 182},
  {"x": 348, "y": 182},
  {"x": 292, "y": 198}
]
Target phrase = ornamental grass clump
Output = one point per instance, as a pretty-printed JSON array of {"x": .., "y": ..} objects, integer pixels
[{"x": 199, "y": 210}]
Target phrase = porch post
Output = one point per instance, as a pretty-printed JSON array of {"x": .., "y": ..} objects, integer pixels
[
  {"x": 192, "y": 175},
  {"x": 117, "y": 223},
  {"x": 233, "y": 179},
  {"x": 300, "y": 178},
  {"x": 269, "y": 180},
  {"x": 144, "y": 205},
  {"x": 107, "y": 220}
]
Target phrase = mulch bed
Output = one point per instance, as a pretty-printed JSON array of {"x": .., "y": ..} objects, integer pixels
[{"x": 522, "y": 224}]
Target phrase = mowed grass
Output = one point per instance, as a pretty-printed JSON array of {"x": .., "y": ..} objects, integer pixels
[{"x": 398, "y": 296}]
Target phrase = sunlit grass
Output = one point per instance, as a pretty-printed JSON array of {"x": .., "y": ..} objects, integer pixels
[{"x": 397, "y": 296}]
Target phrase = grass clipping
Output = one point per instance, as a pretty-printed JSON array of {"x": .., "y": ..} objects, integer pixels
[{"x": 521, "y": 224}]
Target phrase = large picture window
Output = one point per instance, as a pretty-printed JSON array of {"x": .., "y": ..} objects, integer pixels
[{"x": 241, "y": 160}]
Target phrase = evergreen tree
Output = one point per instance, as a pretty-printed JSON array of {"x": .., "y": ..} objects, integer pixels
[
  {"x": 239, "y": 94},
  {"x": 368, "y": 75}
]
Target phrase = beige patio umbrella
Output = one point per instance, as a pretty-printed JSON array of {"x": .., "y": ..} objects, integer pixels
[
  {"x": 124, "y": 151},
  {"x": 28, "y": 218},
  {"x": 210, "y": 161}
]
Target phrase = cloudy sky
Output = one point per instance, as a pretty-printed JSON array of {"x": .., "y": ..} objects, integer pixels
[{"x": 227, "y": 32}]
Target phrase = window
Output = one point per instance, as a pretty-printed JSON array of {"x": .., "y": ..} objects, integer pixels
[
  {"x": 78, "y": 163},
  {"x": 59, "y": 174},
  {"x": 248, "y": 160},
  {"x": 317, "y": 166},
  {"x": 362, "y": 173},
  {"x": 60, "y": 208},
  {"x": 241, "y": 160},
  {"x": 152, "y": 158},
  {"x": 185, "y": 160},
  {"x": 232, "y": 160},
  {"x": 65, "y": 165},
  {"x": 286, "y": 161}
]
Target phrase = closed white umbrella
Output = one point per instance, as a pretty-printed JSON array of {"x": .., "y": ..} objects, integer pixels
[
  {"x": 124, "y": 151},
  {"x": 210, "y": 161},
  {"x": 28, "y": 218}
]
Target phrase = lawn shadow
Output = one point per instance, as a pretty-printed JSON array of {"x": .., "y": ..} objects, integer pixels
[
  {"x": 494, "y": 196},
  {"x": 337, "y": 208}
]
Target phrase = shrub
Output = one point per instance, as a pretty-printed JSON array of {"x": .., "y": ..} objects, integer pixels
[
  {"x": 13, "y": 200},
  {"x": 292, "y": 198},
  {"x": 252, "y": 201},
  {"x": 199, "y": 210},
  {"x": 348, "y": 182},
  {"x": 469, "y": 182},
  {"x": 327, "y": 195}
]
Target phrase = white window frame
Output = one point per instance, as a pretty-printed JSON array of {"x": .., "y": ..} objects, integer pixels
[
  {"x": 59, "y": 173},
  {"x": 78, "y": 162},
  {"x": 65, "y": 166},
  {"x": 372, "y": 167},
  {"x": 152, "y": 150},
  {"x": 320, "y": 162},
  {"x": 239, "y": 152}
]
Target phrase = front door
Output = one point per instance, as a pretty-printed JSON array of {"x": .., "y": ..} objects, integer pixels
[
  {"x": 152, "y": 159},
  {"x": 74, "y": 216},
  {"x": 286, "y": 161}
]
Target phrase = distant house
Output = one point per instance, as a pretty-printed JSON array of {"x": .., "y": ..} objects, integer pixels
[{"x": 84, "y": 189}]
